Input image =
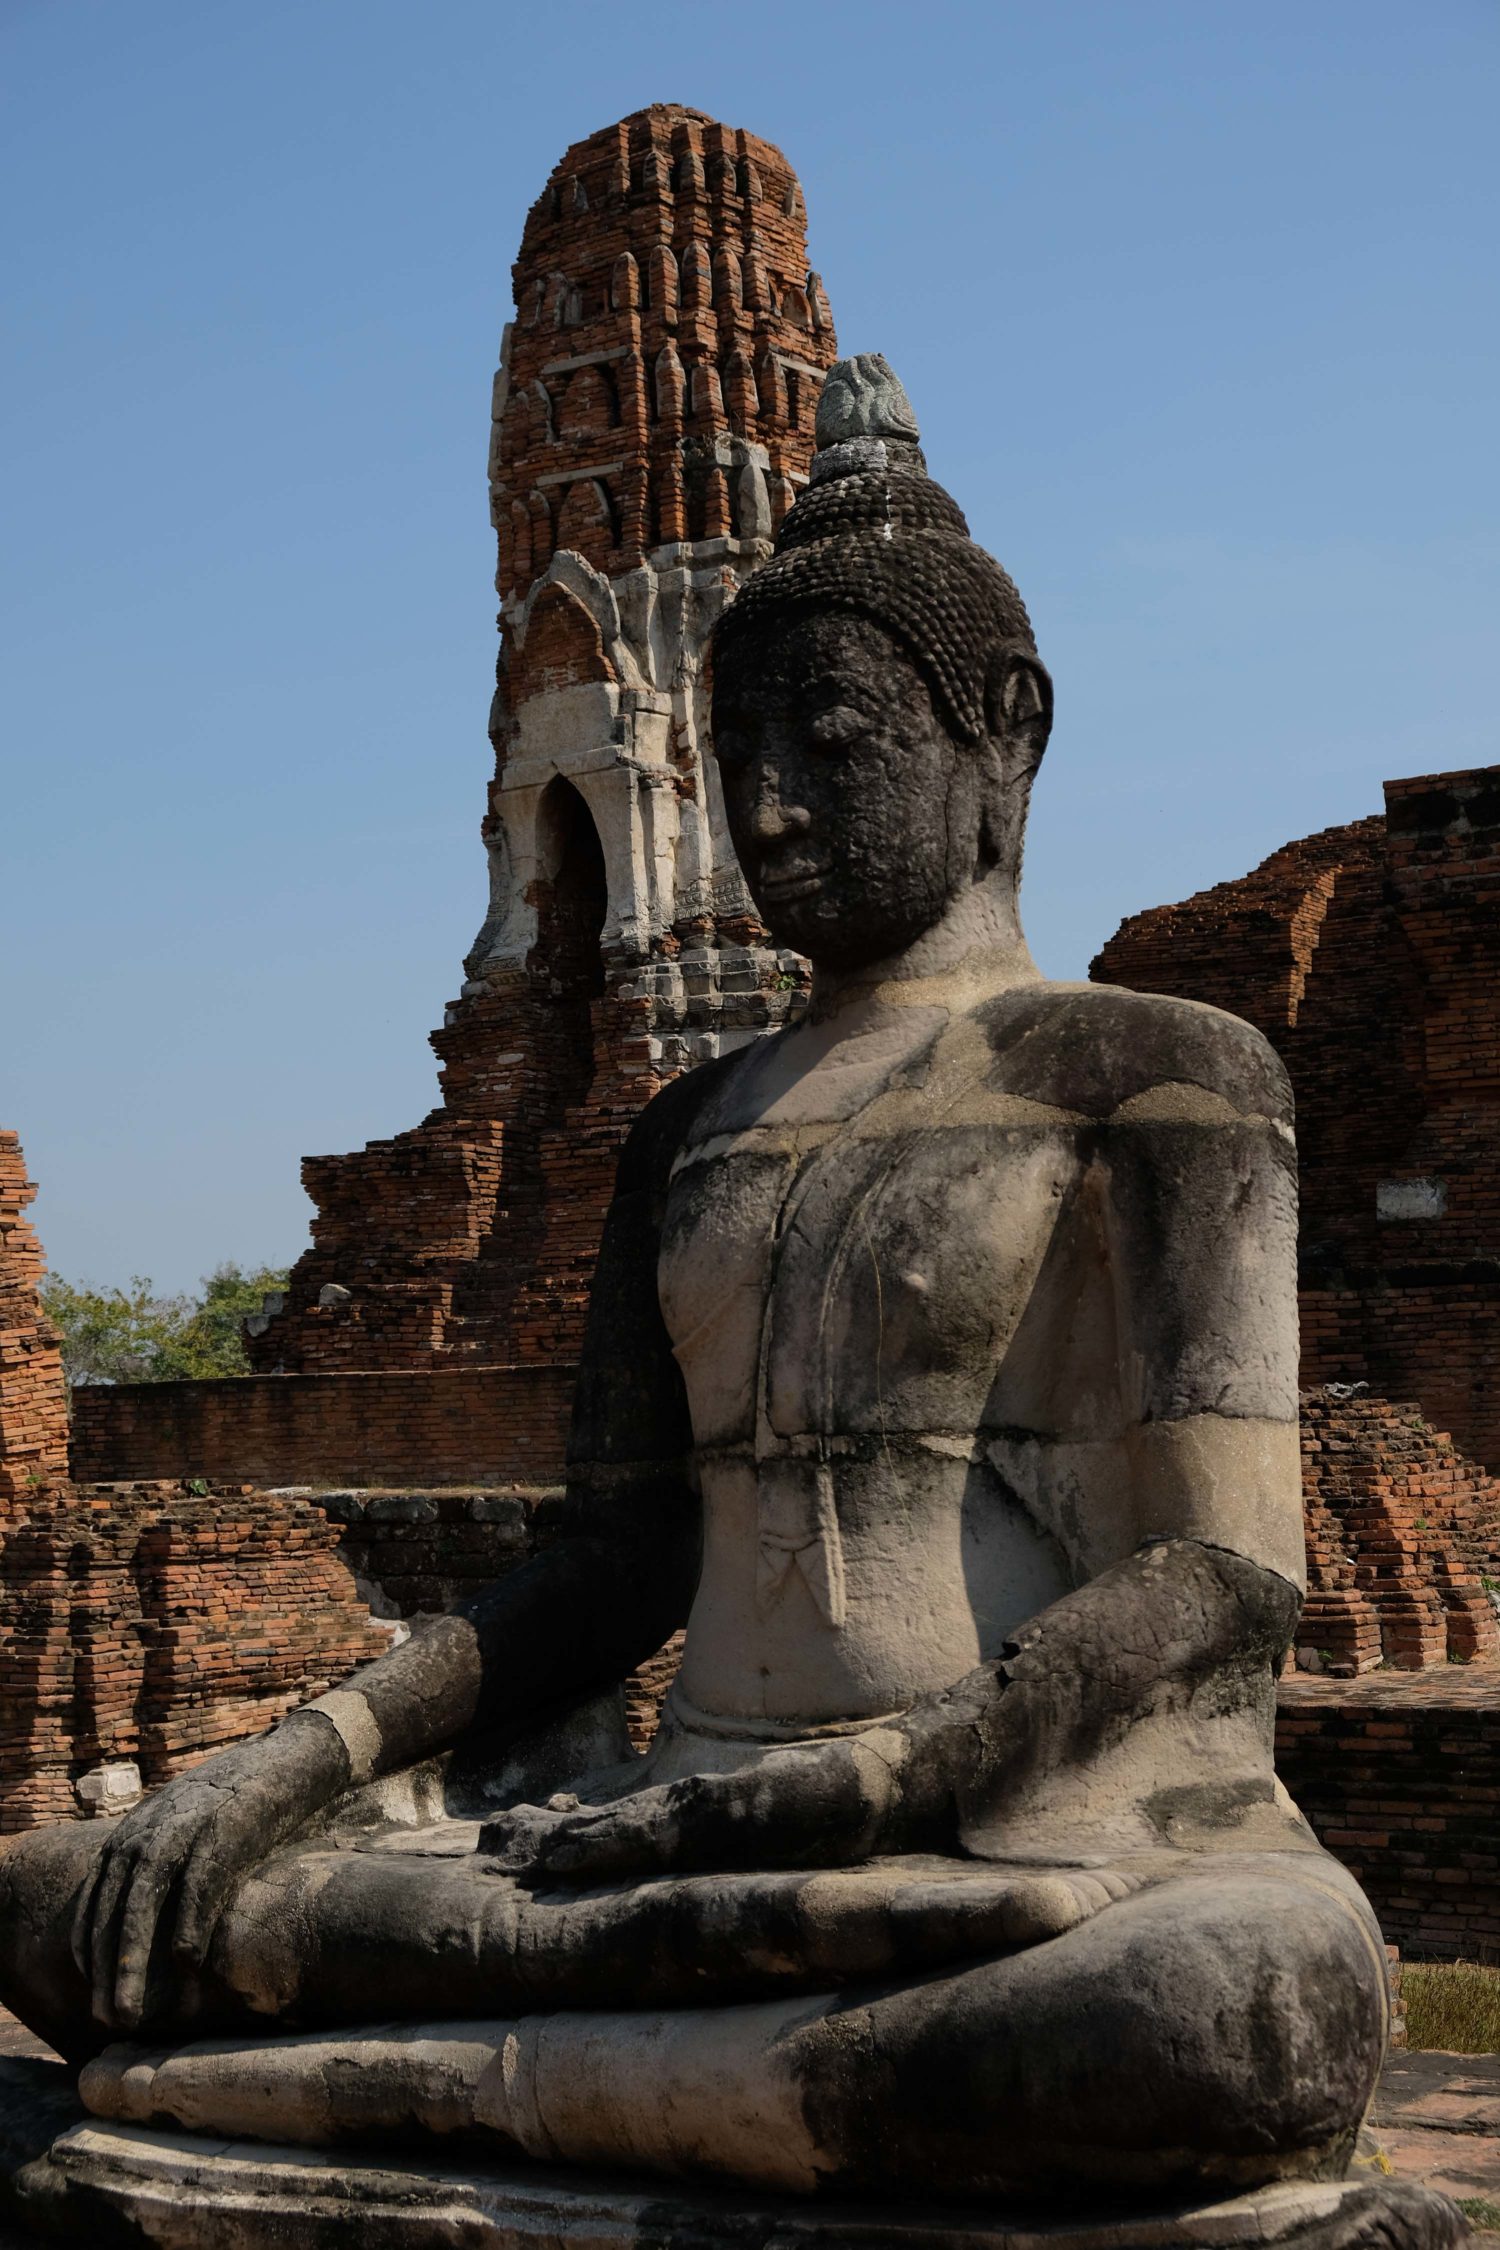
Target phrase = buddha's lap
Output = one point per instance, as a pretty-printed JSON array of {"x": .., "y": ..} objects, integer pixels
[{"x": 1233, "y": 1975}]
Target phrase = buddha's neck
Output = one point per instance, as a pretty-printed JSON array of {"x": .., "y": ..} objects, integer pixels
[{"x": 976, "y": 949}]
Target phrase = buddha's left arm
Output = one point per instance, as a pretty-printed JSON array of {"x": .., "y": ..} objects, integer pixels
[
  {"x": 1140, "y": 1708},
  {"x": 1200, "y": 1213}
]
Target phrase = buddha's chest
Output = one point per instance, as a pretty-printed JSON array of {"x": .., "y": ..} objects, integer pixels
[{"x": 855, "y": 1277}]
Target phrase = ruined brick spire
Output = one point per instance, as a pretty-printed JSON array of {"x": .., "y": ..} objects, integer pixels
[
  {"x": 652, "y": 423},
  {"x": 660, "y": 379}
]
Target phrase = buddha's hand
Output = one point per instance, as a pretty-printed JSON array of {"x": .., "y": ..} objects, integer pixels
[
  {"x": 172, "y": 1864},
  {"x": 825, "y": 1804}
]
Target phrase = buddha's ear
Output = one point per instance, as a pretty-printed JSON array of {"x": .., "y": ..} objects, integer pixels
[{"x": 1018, "y": 711}]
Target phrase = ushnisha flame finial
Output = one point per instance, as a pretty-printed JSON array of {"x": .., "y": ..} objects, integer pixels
[
  {"x": 864, "y": 397},
  {"x": 865, "y": 421}
]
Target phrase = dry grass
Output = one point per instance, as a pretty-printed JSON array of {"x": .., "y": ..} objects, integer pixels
[{"x": 1452, "y": 2005}]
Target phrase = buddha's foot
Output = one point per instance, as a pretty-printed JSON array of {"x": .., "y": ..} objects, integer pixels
[{"x": 1040, "y": 1906}]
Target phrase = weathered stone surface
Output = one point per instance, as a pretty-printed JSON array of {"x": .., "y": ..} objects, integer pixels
[{"x": 165, "y": 2188}]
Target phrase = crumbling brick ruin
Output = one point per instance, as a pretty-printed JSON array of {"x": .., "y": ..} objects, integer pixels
[
  {"x": 1402, "y": 1533},
  {"x": 653, "y": 418},
  {"x": 141, "y": 1626},
  {"x": 33, "y": 1395},
  {"x": 1369, "y": 955}
]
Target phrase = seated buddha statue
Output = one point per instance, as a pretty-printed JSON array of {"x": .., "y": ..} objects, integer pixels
[{"x": 940, "y": 1379}]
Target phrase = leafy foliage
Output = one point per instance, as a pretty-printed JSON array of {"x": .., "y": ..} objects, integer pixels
[{"x": 132, "y": 1335}]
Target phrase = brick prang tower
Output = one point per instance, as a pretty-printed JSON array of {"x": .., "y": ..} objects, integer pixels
[{"x": 652, "y": 422}]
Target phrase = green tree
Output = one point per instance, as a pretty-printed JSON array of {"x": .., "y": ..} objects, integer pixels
[{"x": 132, "y": 1335}]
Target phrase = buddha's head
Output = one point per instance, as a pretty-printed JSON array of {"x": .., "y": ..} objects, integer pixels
[{"x": 878, "y": 706}]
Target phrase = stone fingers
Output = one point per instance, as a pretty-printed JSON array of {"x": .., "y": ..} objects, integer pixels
[
  {"x": 106, "y": 1927},
  {"x": 635, "y": 1838},
  {"x": 800, "y": 1808},
  {"x": 103, "y": 1936},
  {"x": 948, "y": 1920},
  {"x": 140, "y": 1912},
  {"x": 207, "y": 1879},
  {"x": 118, "y": 1910},
  {"x": 81, "y": 1931}
]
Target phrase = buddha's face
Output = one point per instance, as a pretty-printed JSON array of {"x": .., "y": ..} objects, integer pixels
[{"x": 854, "y": 813}]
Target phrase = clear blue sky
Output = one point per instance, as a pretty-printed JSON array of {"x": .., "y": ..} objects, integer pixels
[{"x": 1196, "y": 302}]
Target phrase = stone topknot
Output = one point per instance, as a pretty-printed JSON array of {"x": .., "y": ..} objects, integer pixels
[{"x": 874, "y": 534}]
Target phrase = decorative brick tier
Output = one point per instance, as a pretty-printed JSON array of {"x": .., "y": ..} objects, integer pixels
[
  {"x": 1403, "y": 1534},
  {"x": 453, "y": 1425},
  {"x": 33, "y": 1395},
  {"x": 1370, "y": 957},
  {"x": 1399, "y": 1773},
  {"x": 147, "y": 1625},
  {"x": 652, "y": 420}
]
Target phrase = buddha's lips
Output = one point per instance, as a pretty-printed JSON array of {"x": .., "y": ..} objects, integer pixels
[{"x": 777, "y": 889}]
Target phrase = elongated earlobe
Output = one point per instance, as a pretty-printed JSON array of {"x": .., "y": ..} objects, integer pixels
[
  {"x": 1018, "y": 714},
  {"x": 1018, "y": 708}
]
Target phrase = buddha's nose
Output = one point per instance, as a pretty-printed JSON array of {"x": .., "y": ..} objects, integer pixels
[{"x": 771, "y": 817}]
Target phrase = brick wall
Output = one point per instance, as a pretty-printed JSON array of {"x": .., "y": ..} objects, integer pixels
[
  {"x": 149, "y": 1625},
  {"x": 1399, "y": 1774},
  {"x": 1370, "y": 956},
  {"x": 33, "y": 1396},
  {"x": 458, "y": 1425}
]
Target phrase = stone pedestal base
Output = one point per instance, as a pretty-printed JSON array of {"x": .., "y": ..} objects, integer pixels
[{"x": 70, "y": 2178}]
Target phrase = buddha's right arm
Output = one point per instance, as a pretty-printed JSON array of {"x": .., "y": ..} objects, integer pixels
[
  {"x": 582, "y": 1612},
  {"x": 580, "y": 1615},
  {"x": 616, "y": 1581}
]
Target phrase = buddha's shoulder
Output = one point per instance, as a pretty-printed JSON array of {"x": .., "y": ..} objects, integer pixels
[
  {"x": 1091, "y": 1048},
  {"x": 668, "y": 1120}
]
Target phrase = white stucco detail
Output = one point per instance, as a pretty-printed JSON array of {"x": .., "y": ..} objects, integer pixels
[{"x": 635, "y": 748}]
